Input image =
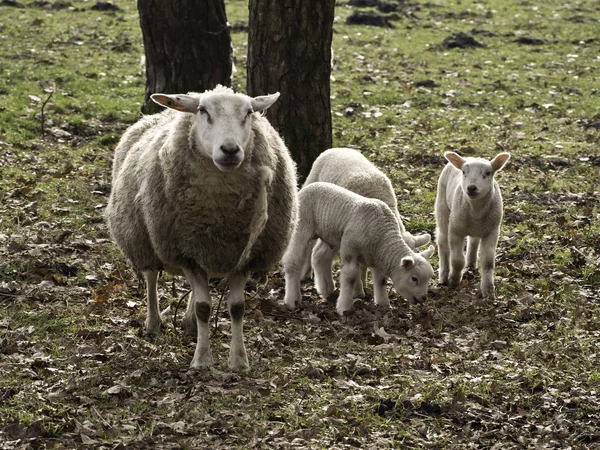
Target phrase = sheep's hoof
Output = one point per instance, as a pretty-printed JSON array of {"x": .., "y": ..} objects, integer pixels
[
  {"x": 239, "y": 362},
  {"x": 488, "y": 295},
  {"x": 202, "y": 361},
  {"x": 152, "y": 329}
]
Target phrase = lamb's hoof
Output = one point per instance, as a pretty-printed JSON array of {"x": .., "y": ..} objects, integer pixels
[
  {"x": 189, "y": 325},
  {"x": 453, "y": 282},
  {"x": 488, "y": 295}
]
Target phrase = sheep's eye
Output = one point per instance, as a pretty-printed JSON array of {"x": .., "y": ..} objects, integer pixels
[
  {"x": 202, "y": 110},
  {"x": 415, "y": 279},
  {"x": 250, "y": 111},
  {"x": 488, "y": 173}
]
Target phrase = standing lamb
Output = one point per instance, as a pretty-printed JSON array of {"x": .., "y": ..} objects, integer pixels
[
  {"x": 364, "y": 231},
  {"x": 469, "y": 204},
  {"x": 204, "y": 188},
  {"x": 349, "y": 169}
]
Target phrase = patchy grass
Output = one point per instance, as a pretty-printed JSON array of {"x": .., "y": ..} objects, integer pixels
[{"x": 457, "y": 372}]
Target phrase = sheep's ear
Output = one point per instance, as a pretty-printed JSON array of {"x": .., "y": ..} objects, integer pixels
[
  {"x": 455, "y": 159},
  {"x": 499, "y": 161},
  {"x": 422, "y": 240},
  {"x": 407, "y": 262},
  {"x": 263, "y": 102},
  {"x": 179, "y": 102},
  {"x": 428, "y": 253}
]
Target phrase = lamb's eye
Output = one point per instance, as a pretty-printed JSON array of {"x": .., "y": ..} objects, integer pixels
[
  {"x": 488, "y": 173},
  {"x": 202, "y": 110},
  {"x": 250, "y": 111},
  {"x": 415, "y": 279}
]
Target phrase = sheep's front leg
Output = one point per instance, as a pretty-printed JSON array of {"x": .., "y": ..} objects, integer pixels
[
  {"x": 472, "y": 249},
  {"x": 350, "y": 271},
  {"x": 238, "y": 359},
  {"x": 153, "y": 322},
  {"x": 380, "y": 292},
  {"x": 201, "y": 303},
  {"x": 487, "y": 263},
  {"x": 322, "y": 262},
  {"x": 444, "y": 255},
  {"x": 457, "y": 259}
]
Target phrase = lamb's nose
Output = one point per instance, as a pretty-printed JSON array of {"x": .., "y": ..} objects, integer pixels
[
  {"x": 230, "y": 150},
  {"x": 471, "y": 189}
]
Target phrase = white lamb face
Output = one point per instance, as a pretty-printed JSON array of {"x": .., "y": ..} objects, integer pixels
[
  {"x": 478, "y": 173},
  {"x": 412, "y": 281},
  {"x": 224, "y": 122}
]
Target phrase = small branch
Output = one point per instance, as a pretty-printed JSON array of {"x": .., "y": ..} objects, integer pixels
[
  {"x": 43, "y": 106},
  {"x": 176, "y": 308}
]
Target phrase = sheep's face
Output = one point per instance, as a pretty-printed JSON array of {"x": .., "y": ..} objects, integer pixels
[
  {"x": 223, "y": 122},
  {"x": 412, "y": 279},
  {"x": 477, "y": 173}
]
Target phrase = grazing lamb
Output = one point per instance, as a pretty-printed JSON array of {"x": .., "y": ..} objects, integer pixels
[
  {"x": 204, "y": 188},
  {"x": 349, "y": 169},
  {"x": 469, "y": 204},
  {"x": 364, "y": 231}
]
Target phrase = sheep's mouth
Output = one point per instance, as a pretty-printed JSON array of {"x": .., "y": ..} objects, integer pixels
[
  {"x": 472, "y": 194},
  {"x": 227, "y": 165}
]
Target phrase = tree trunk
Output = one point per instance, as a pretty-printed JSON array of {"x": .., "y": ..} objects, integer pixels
[
  {"x": 289, "y": 50},
  {"x": 187, "y": 46}
]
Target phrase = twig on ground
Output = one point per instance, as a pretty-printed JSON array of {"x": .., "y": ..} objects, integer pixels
[{"x": 43, "y": 106}]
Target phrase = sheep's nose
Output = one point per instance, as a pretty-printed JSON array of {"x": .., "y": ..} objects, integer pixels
[
  {"x": 230, "y": 150},
  {"x": 471, "y": 189}
]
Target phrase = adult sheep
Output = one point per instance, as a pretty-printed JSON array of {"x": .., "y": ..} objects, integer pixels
[{"x": 204, "y": 188}]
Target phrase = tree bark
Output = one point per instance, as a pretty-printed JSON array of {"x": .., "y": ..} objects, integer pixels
[
  {"x": 289, "y": 50},
  {"x": 187, "y": 46}
]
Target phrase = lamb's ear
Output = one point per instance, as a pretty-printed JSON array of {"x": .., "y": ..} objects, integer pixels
[
  {"x": 428, "y": 253},
  {"x": 499, "y": 161},
  {"x": 178, "y": 102},
  {"x": 455, "y": 159},
  {"x": 263, "y": 102},
  {"x": 407, "y": 262},
  {"x": 422, "y": 240}
]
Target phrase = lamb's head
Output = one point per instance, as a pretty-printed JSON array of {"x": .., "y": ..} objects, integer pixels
[
  {"x": 412, "y": 277},
  {"x": 223, "y": 121},
  {"x": 478, "y": 173}
]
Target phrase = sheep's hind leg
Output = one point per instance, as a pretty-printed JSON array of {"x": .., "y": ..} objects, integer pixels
[
  {"x": 444, "y": 256},
  {"x": 457, "y": 260},
  {"x": 153, "y": 321},
  {"x": 361, "y": 282},
  {"x": 293, "y": 264},
  {"x": 238, "y": 359},
  {"x": 349, "y": 273},
  {"x": 487, "y": 263},
  {"x": 472, "y": 249},
  {"x": 201, "y": 304},
  {"x": 322, "y": 262}
]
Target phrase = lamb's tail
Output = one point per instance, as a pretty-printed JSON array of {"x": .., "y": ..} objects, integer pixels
[{"x": 260, "y": 216}]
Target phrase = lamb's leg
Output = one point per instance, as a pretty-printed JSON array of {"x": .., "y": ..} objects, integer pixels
[
  {"x": 322, "y": 262},
  {"x": 293, "y": 262},
  {"x": 444, "y": 255},
  {"x": 238, "y": 359},
  {"x": 487, "y": 255},
  {"x": 472, "y": 249},
  {"x": 307, "y": 267},
  {"x": 201, "y": 304},
  {"x": 153, "y": 322},
  {"x": 380, "y": 292},
  {"x": 457, "y": 259},
  {"x": 361, "y": 282},
  {"x": 350, "y": 271}
]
